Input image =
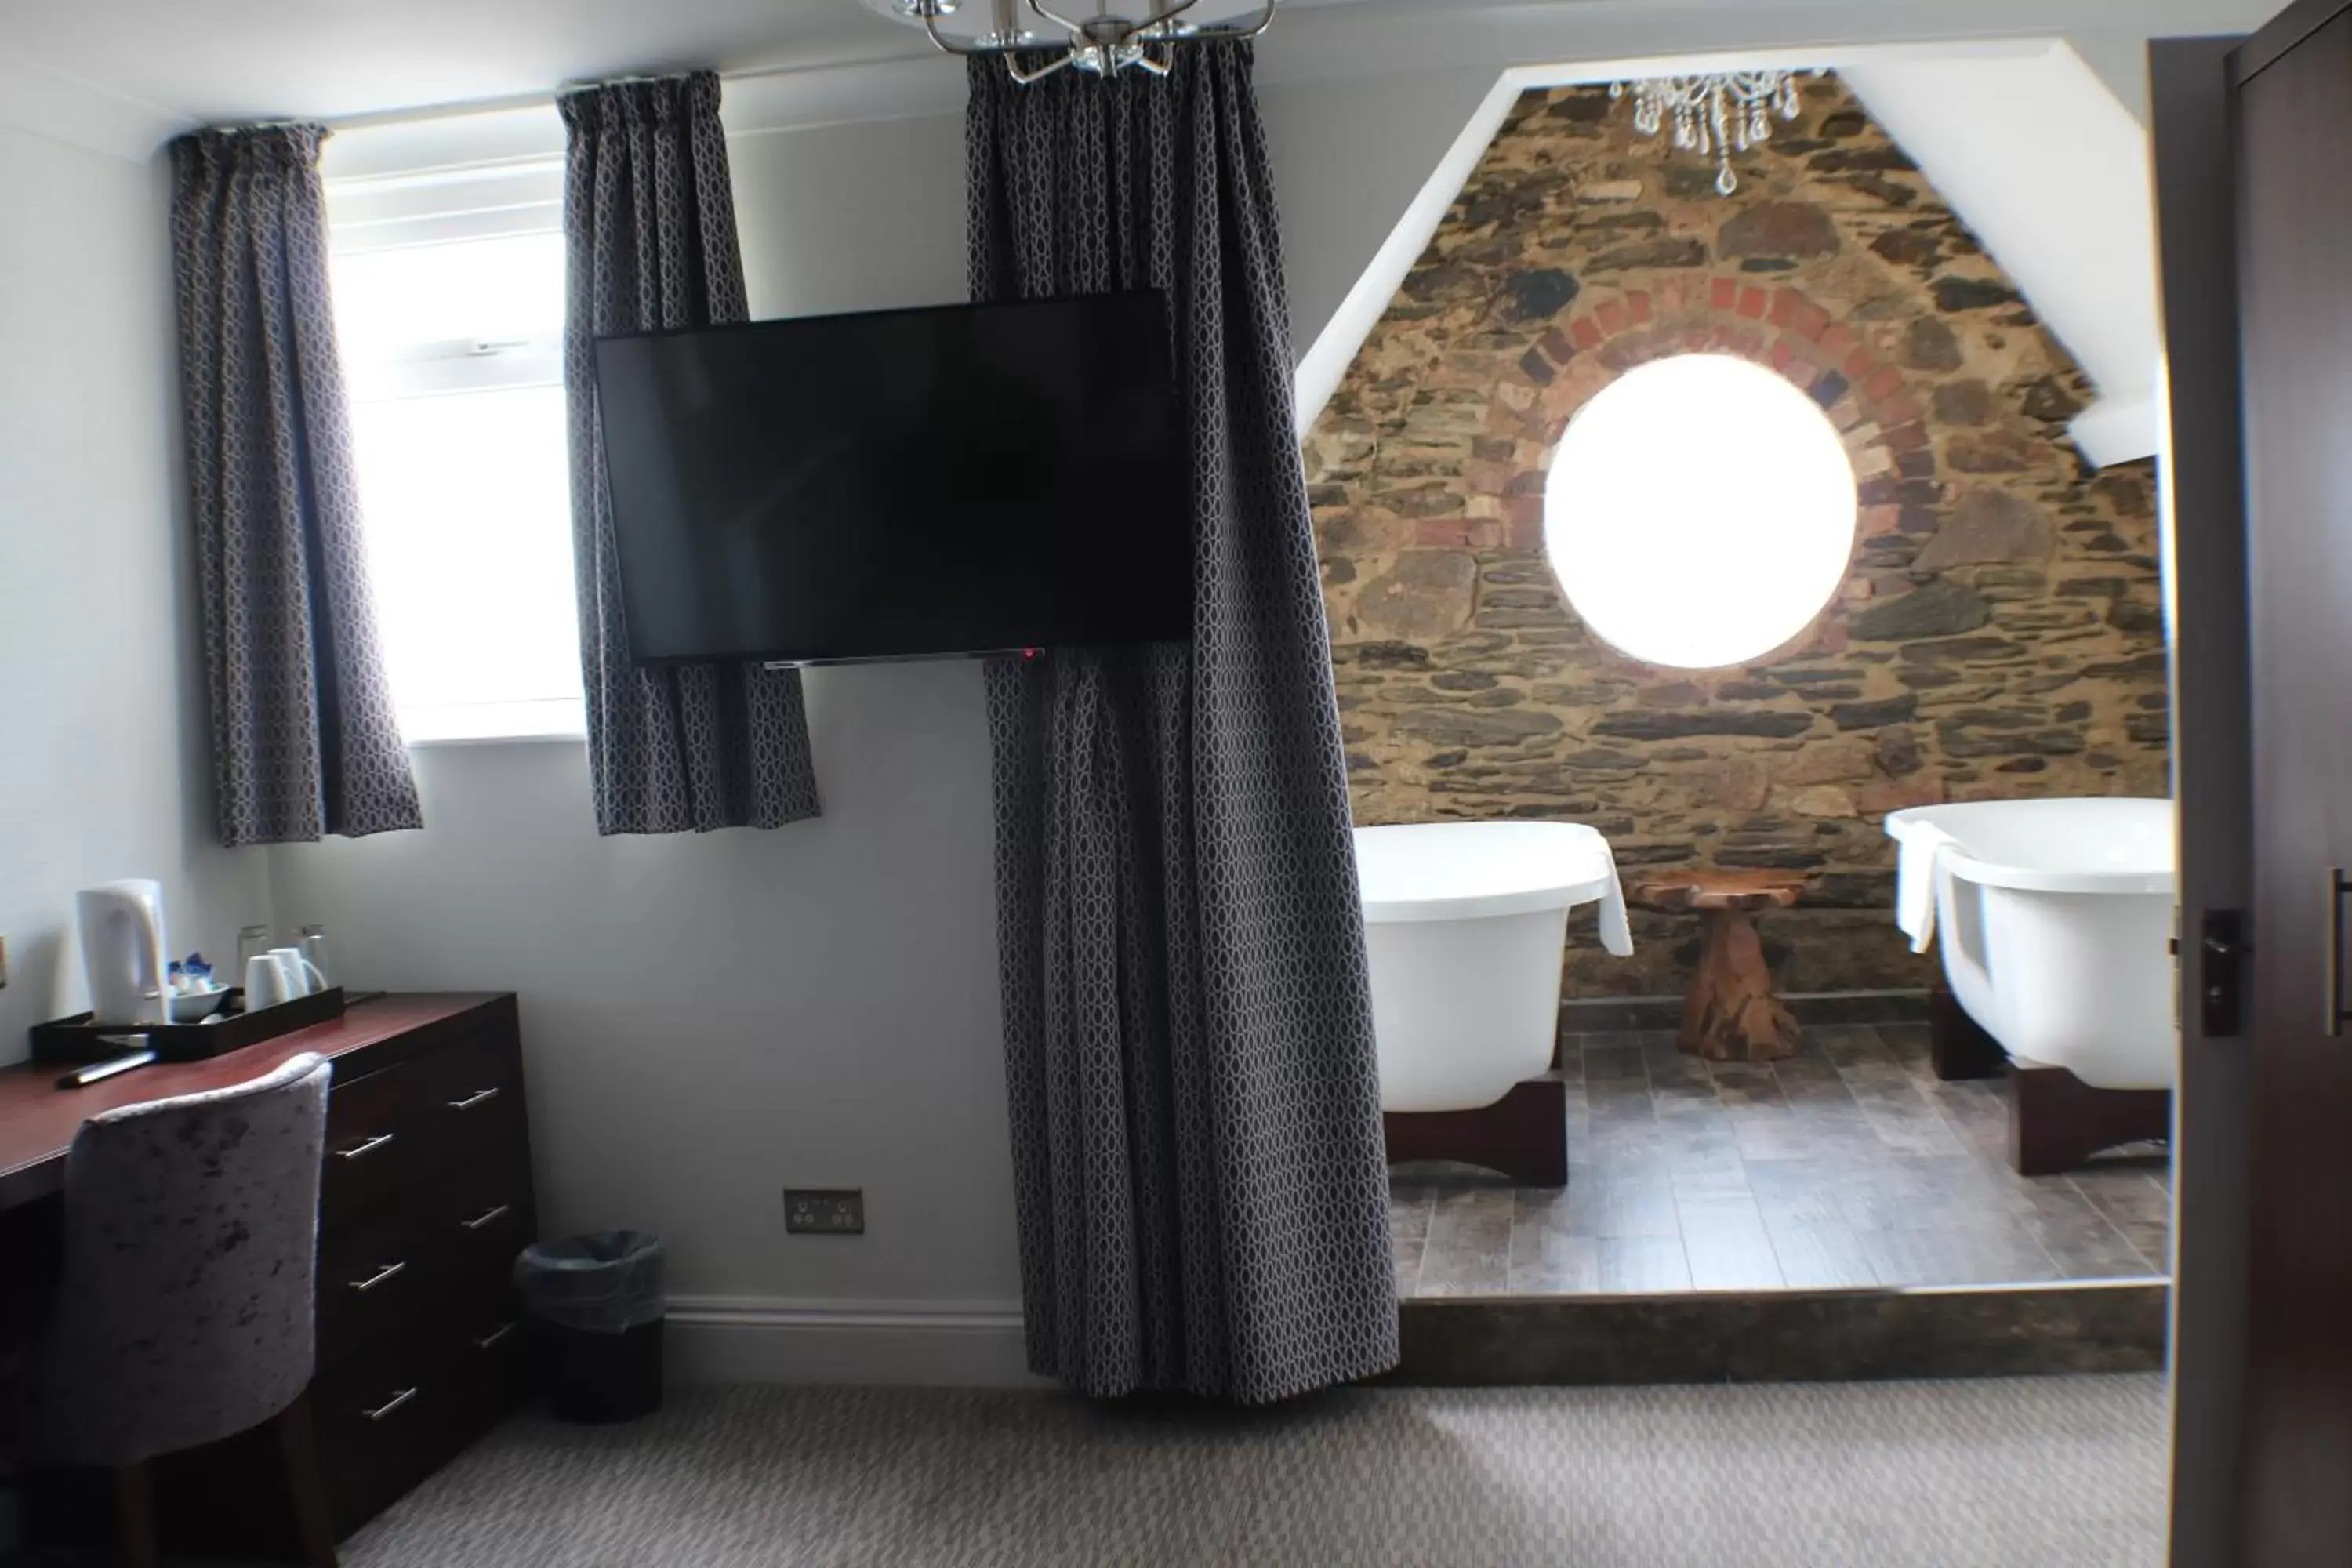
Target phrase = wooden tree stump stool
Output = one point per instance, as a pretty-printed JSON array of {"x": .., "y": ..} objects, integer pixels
[{"x": 1731, "y": 1015}]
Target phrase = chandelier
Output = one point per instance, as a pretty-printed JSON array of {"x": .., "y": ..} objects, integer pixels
[
  {"x": 1719, "y": 113},
  {"x": 1104, "y": 45}
]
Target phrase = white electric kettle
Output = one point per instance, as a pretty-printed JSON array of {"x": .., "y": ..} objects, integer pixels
[{"x": 122, "y": 949}]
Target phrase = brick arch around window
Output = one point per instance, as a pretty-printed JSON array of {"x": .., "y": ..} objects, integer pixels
[
  {"x": 1865, "y": 395},
  {"x": 1998, "y": 631}
]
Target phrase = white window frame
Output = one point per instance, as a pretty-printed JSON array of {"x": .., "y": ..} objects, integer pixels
[{"x": 379, "y": 198}]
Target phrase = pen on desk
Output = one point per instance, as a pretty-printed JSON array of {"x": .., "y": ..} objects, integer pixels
[{"x": 96, "y": 1072}]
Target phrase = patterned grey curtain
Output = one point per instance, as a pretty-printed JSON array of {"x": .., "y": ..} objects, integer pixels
[
  {"x": 305, "y": 741},
  {"x": 1202, "y": 1186},
  {"x": 649, "y": 232}
]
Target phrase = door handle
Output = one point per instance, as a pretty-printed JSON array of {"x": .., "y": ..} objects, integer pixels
[
  {"x": 389, "y": 1406},
  {"x": 473, "y": 1099},
  {"x": 2222, "y": 950},
  {"x": 379, "y": 1277},
  {"x": 479, "y": 1220},
  {"x": 356, "y": 1150},
  {"x": 2332, "y": 971}
]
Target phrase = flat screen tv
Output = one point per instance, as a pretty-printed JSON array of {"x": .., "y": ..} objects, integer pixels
[{"x": 904, "y": 484}]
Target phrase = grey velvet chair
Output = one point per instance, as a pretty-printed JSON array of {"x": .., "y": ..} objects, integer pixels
[{"x": 185, "y": 1309}]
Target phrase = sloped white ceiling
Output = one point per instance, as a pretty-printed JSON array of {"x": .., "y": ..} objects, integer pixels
[
  {"x": 2036, "y": 153},
  {"x": 2051, "y": 172}
]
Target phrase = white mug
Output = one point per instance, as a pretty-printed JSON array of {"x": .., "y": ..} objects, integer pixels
[
  {"x": 264, "y": 982},
  {"x": 302, "y": 976}
]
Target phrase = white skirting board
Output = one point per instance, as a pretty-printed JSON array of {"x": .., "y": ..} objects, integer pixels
[{"x": 774, "y": 1340}]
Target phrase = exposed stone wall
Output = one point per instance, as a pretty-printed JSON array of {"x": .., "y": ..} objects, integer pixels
[{"x": 1999, "y": 631}]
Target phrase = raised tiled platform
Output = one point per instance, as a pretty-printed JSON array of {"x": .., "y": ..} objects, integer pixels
[
  {"x": 1602, "y": 1015},
  {"x": 1785, "y": 1336},
  {"x": 1849, "y": 1166}
]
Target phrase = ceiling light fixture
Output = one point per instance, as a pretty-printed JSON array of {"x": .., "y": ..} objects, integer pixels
[
  {"x": 1104, "y": 45},
  {"x": 1718, "y": 113}
]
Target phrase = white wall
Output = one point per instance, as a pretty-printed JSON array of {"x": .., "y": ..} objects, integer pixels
[
  {"x": 709, "y": 1018},
  {"x": 1348, "y": 157},
  {"x": 2120, "y": 58},
  {"x": 852, "y": 217},
  {"x": 102, "y": 769}
]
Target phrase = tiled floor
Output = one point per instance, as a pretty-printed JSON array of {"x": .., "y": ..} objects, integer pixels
[{"x": 1848, "y": 1165}]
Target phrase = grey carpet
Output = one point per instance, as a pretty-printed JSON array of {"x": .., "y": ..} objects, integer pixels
[{"x": 2061, "y": 1471}]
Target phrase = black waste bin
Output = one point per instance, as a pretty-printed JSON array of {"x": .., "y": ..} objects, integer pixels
[{"x": 594, "y": 1308}]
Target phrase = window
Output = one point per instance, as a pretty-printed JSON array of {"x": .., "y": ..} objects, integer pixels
[
  {"x": 1700, "y": 511},
  {"x": 453, "y": 350}
]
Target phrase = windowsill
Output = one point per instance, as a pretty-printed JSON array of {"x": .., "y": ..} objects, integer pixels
[
  {"x": 560, "y": 719},
  {"x": 562, "y": 737}
]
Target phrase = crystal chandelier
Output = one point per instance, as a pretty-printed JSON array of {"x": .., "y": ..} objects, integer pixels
[
  {"x": 1104, "y": 45},
  {"x": 1719, "y": 113}
]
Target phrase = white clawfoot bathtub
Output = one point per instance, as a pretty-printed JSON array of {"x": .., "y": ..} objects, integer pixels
[
  {"x": 1465, "y": 923},
  {"x": 2056, "y": 919}
]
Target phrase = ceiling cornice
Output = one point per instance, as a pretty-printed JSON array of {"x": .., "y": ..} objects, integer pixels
[
  {"x": 1366, "y": 38},
  {"x": 1373, "y": 38}
]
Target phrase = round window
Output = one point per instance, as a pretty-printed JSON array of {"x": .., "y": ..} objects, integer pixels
[{"x": 1700, "y": 511}]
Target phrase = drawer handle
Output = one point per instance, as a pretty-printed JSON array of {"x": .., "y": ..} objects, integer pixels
[
  {"x": 389, "y": 1406},
  {"x": 473, "y": 1099},
  {"x": 379, "y": 1277},
  {"x": 497, "y": 1336},
  {"x": 479, "y": 1220},
  {"x": 356, "y": 1150}
]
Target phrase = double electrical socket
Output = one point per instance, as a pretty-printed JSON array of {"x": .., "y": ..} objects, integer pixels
[{"x": 825, "y": 1211}]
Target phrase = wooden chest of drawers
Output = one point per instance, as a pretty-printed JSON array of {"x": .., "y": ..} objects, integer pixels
[{"x": 426, "y": 1200}]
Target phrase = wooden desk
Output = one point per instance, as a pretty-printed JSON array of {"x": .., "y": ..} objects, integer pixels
[
  {"x": 39, "y": 1119},
  {"x": 426, "y": 1201}
]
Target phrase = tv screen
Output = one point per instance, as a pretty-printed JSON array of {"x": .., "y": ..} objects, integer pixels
[{"x": 904, "y": 484}]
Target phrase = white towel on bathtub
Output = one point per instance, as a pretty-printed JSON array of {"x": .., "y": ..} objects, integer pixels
[
  {"x": 1915, "y": 881},
  {"x": 1616, "y": 932}
]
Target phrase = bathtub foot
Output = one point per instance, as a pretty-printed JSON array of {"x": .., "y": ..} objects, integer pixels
[
  {"x": 2056, "y": 1122},
  {"x": 1523, "y": 1135},
  {"x": 1958, "y": 1046}
]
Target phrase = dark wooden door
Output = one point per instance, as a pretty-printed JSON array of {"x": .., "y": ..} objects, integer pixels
[{"x": 2294, "y": 270}]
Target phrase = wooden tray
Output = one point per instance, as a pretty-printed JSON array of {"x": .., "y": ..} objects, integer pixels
[{"x": 77, "y": 1039}]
